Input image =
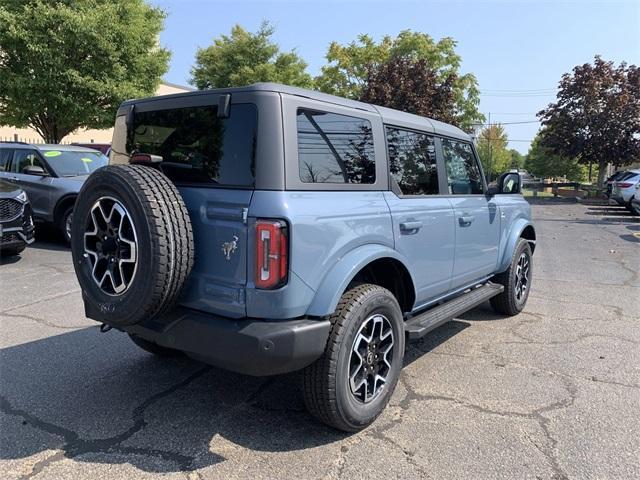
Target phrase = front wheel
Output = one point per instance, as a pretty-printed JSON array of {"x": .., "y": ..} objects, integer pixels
[
  {"x": 516, "y": 280},
  {"x": 350, "y": 385}
]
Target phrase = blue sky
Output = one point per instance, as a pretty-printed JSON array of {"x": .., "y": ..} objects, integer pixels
[{"x": 517, "y": 49}]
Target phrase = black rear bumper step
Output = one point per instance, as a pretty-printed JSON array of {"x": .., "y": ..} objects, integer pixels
[{"x": 423, "y": 323}]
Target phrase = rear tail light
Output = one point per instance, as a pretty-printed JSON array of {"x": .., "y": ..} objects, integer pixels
[
  {"x": 624, "y": 185},
  {"x": 272, "y": 254}
]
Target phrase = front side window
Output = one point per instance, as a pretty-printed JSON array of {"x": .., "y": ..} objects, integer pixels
[
  {"x": 412, "y": 161},
  {"x": 335, "y": 148},
  {"x": 463, "y": 173},
  {"x": 196, "y": 146},
  {"x": 23, "y": 158}
]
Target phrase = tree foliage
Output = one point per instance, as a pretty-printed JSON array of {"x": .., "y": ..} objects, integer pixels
[
  {"x": 596, "y": 117},
  {"x": 517, "y": 159},
  {"x": 243, "y": 58},
  {"x": 492, "y": 149},
  {"x": 411, "y": 86},
  {"x": 70, "y": 63},
  {"x": 349, "y": 67},
  {"x": 542, "y": 162}
]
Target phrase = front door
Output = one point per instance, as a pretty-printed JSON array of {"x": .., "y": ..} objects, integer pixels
[
  {"x": 477, "y": 217},
  {"x": 423, "y": 222},
  {"x": 38, "y": 187}
]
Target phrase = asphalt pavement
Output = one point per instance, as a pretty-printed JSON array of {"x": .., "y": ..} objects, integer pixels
[{"x": 551, "y": 393}]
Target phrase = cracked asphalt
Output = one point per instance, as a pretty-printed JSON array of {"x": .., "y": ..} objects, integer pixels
[{"x": 552, "y": 393}]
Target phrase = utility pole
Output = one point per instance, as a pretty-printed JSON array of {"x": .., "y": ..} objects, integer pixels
[{"x": 490, "y": 149}]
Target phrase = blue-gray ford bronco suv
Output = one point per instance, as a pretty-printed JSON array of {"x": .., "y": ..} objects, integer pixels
[{"x": 268, "y": 229}]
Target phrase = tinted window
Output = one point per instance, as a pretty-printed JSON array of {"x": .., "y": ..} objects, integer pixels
[
  {"x": 334, "y": 148},
  {"x": 23, "y": 159},
  {"x": 70, "y": 164},
  {"x": 463, "y": 174},
  {"x": 198, "y": 147},
  {"x": 412, "y": 161},
  {"x": 5, "y": 157}
]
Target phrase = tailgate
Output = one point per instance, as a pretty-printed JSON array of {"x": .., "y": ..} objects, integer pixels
[{"x": 219, "y": 276}]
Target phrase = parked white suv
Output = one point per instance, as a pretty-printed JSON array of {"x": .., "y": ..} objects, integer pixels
[{"x": 625, "y": 188}]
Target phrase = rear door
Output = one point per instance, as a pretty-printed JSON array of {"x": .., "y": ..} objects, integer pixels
[
  {"x": 212, "y": 162},
  {"x": 477, "y": 216},
  {"x": 423, "y": 221}
]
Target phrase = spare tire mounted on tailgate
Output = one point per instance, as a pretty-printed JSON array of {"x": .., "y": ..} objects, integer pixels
[{"x": 132, "y": 244}]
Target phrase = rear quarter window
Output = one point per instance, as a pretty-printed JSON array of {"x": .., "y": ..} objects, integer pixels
[
  {"x": 334, "y": 148},
  {"x": 196, "y": 146}
]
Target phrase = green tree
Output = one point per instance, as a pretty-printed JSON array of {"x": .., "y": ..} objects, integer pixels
[
  {"x": 411, "y": 86},
  {"x": 517, "y": 159},
  {"x": 492, "y": 149},
  {"x": 596, "y": 117},
  {"x": 542, "y": 162},
  {"x": 70, "y": 63},
  {"x": 244, "y": 58},
  {"x": 348, "y": 68}
]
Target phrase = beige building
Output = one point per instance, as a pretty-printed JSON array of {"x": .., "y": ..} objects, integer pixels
[{"x": 81, "y": 136}]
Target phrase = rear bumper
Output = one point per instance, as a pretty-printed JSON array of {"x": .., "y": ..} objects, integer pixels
[{"x": 250, "y": 346}]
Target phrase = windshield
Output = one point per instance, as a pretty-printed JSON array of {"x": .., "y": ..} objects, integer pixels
[{"x": 73, "y": 163}]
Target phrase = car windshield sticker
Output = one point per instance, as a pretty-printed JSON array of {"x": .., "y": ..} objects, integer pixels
[
  {"x": 52, "y": 153},
  {"x": 85, "y": 159}
]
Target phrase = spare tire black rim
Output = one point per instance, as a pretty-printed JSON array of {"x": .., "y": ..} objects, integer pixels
[
  {"x": 111, "y": 246},
  {"x": 371, "y": 355}
]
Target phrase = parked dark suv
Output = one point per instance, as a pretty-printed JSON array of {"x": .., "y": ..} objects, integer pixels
[
  {"x": 16, "y": 222},
  {"x": 268, "y": 229}
]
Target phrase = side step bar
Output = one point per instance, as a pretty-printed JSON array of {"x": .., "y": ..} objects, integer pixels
[{"x": 423, "y": 323}]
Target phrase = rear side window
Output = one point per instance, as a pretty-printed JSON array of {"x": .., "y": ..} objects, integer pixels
[
  {"x": 412, "y": 161},
  {"x": 334, "y": 148},
  {"x": 196, "y": 146},
  {"x": 463, "y": 173},
  {"x": 5, "y": 156}
]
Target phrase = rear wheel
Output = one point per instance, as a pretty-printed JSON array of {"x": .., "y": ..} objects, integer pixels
[
  {"x": 350, "y": 385},
  {"x": 516, "y": 280}
]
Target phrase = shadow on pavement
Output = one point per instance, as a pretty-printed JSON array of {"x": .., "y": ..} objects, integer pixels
[
  {"x": 48, "y": 238},
  {"x": 98, "y": 398}
]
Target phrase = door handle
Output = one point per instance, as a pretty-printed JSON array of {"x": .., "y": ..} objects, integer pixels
[
  {"x": 410, "y": 226},
  {"x": 466, "y": 220}
]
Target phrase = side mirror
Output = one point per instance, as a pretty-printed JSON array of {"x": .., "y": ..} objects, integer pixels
[
  {"x": 509, "y": 182},
  {"x": 34, "y": 170}
]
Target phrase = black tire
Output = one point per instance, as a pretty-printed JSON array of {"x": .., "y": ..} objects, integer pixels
[
  {"x": 163, "y": 237},
  {"x": 63, "y": 225},
  {"x": 153, "y": 348},
  {"x": 13, "y": 251},
  {"x": 326, "y": 389},
  {"x": 509, "y": 302},
  {"x": 635, "y": 207}
]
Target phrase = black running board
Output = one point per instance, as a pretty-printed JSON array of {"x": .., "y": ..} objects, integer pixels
[{"x": 423, "y": 323}]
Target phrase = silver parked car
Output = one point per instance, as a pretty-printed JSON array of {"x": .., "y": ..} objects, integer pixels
[
  {"x": 624, "y": 188},
  {"x": 51, "y": 175}
]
